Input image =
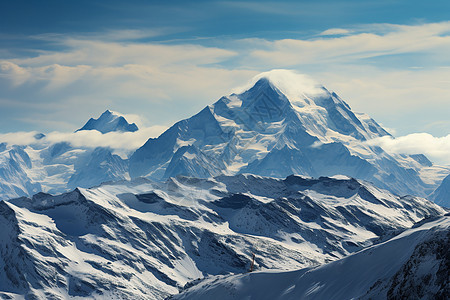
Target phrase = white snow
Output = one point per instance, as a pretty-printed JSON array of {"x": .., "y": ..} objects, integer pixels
[
  {"x": 363, "y": 275},
  {"x": 145, "y": 239}
]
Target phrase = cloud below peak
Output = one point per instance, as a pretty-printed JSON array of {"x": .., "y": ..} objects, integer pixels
[
  {"x": 86, "y": 138},
  {"x": 436, "y": 148}
]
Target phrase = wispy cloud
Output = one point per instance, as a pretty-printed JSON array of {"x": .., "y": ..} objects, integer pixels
[
  {"x": 108, "y": 53},
  {"x": 158, "y": 81},
  {"x": 335, "y": 31},
  {"x": 400, "y": 39}
]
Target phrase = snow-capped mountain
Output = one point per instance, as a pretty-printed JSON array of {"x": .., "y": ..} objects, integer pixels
[
  {"x": 282, "y": 124},
  {"x": 412, "y": 265},
  {"x": 145, "y": 240},
  {"x": 108, "y": 122},
  {"x": 56, "y": 167},
  {"x": 441, "y": 195}
]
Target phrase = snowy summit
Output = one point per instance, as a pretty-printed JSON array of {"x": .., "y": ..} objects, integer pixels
[
  {"x": 109, "y": 121},
  {"x": 282, "y": 123}
]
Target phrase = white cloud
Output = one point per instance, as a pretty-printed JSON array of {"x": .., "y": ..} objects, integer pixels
[
  {"x": 21, "y": 138},
  {"x": 291, "y": 83},
  {"x": 108, "y": 53},
  {"x": 87, "y": 138},
  {"x": 114, "y": 140},
  {"x": 15, "y": 73},
  {"x": 378, "y": 40},
  {"x": 163, "y": 83},
  {"x": 436, "y": 148}
]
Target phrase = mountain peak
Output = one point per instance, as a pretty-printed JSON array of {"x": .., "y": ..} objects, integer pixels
[
  {"x": 282, "y": 94},
  {"x": 293, "y": 85},
  {"x": 108, "y": 112},
  {"x": 109, "y": 121}
]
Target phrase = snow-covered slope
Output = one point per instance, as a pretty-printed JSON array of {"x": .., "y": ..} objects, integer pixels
[
  {"x": 412, "y": 265},
  {"x": 109, "y": 121},
  {"x": 14, "y": 181},
  {"x": 56, "y": 168},
  {"x": 441, "y": 195},
  {"x": 144, "y": 240},
  {"x": 282, "y": 124}
]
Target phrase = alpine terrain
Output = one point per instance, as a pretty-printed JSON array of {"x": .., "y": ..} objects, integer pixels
[
  {"x": 441, "y": 195},
  {"x": 281, "y": 178},
  {"x": 282, "y": 124},
  {"x": 412, "y": 265},
  {"x": 59, "y": 167},
  {"x": 148, "y": 240}
]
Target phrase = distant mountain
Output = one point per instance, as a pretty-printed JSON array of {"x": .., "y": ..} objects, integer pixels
[
  {"x": 145, "y": 240},
  {"x": 412, "y": 265},
  {"x": 283, "y": 124},
  {"x": 108, "y": 122},
  {"x": 59, "y": 167},
  {"x": 441, "y": 195}
]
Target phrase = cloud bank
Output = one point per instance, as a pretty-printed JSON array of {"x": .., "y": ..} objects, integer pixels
[
  {"x": 86, "y": 138},
  {"x": 435, "y": 148}
]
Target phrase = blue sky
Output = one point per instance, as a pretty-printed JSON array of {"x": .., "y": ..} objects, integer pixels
[
  {"x": 194, "y": 19},
  {"x": 62, "y": 62}
]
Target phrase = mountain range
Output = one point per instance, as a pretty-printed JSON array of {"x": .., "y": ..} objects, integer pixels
[
  {"x": 282, "y": 124},
  {"x": 141, "y": 239},
  {"x": 280, "y": 177},
  {"x": 412, "y": 265}
]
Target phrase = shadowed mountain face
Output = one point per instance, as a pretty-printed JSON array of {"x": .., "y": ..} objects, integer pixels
[
  {"x": 109, "y": 122},
  {"x": 278, "y": 128},
  {"x": 441, "y": 195}
]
